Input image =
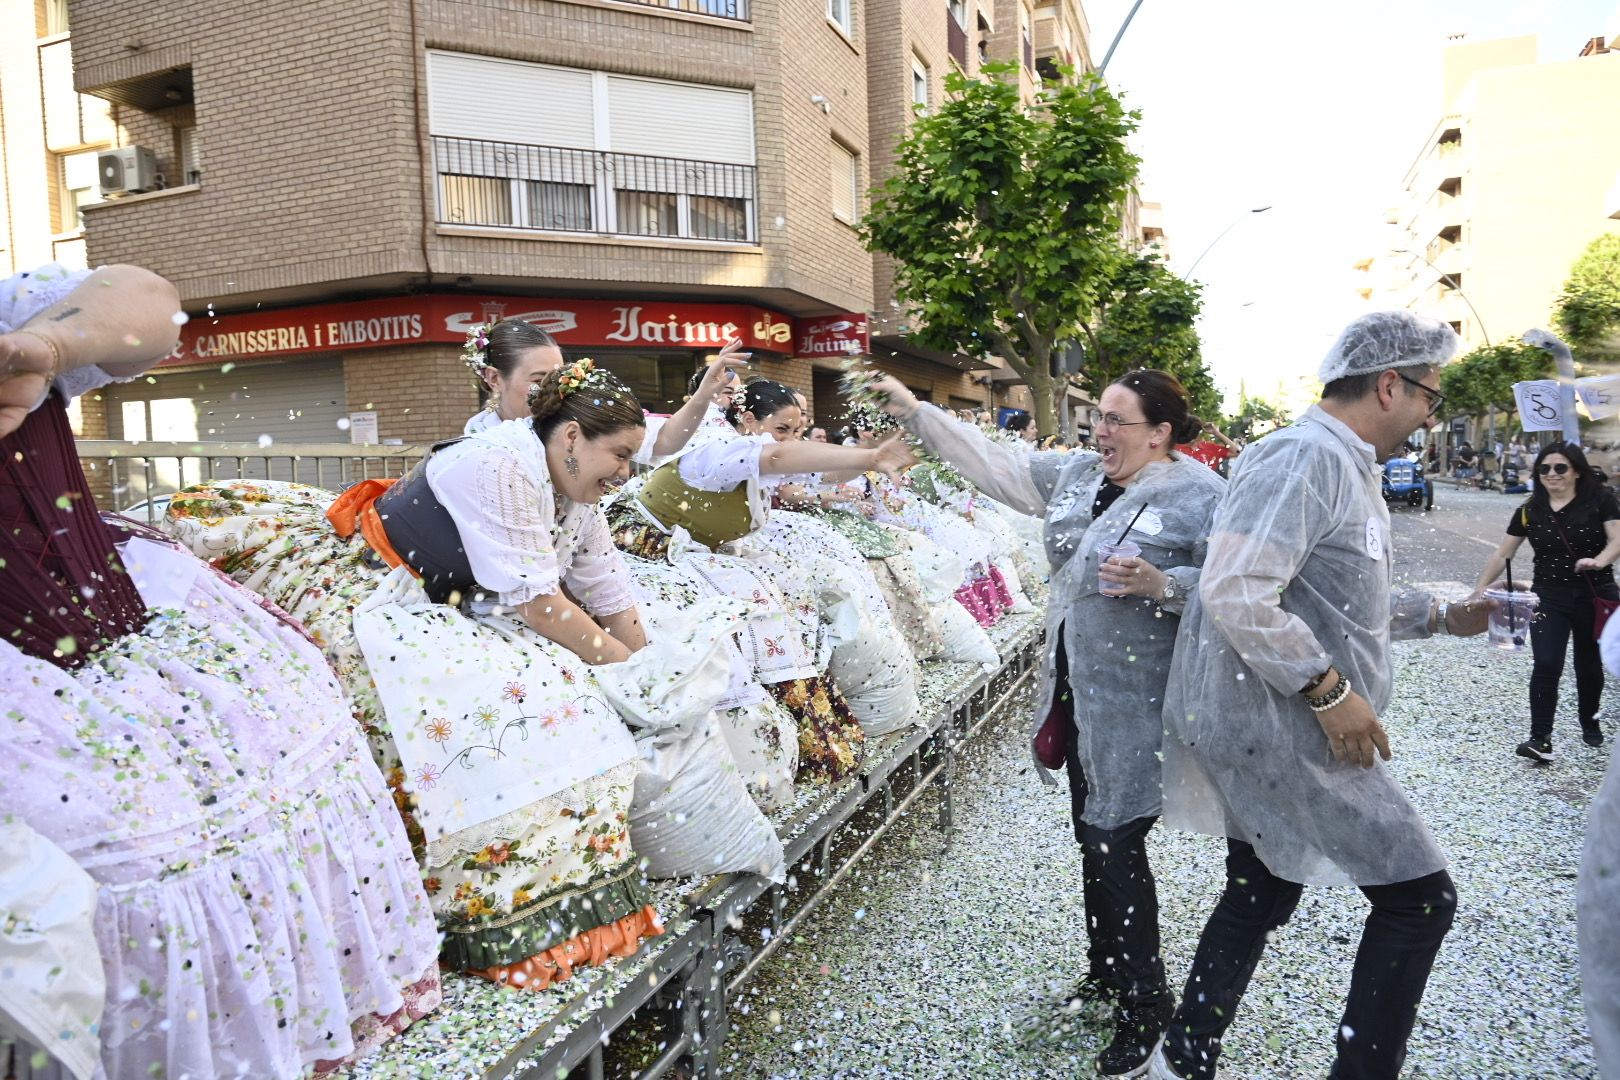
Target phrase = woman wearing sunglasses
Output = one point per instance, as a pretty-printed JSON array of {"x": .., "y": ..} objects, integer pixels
[{"x": 1573, "y": 524}]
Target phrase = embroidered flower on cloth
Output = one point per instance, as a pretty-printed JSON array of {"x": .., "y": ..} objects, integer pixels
[
  {"x": 438, "y": 729},
  {"x": 515, "y": 692}
]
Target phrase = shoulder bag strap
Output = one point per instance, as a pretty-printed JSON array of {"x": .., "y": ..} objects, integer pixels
[{"x": 1562, "y": 535}]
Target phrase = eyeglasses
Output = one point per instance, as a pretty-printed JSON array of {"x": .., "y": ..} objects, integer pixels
[
  {"x": 1111, "y": 421},
  {"x": 1436, "y": 398},
  {"x": 1559, "y": 468}
]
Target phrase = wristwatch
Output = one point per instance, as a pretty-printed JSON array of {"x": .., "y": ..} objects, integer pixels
[{"x": 1170, "y": 590}]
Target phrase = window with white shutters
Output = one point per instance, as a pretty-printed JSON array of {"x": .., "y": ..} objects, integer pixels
[
  {"x": 523, "y": 145},
  {"x": 846, "y": 179}
]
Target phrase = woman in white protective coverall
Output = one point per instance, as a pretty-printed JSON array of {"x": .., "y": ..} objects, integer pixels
[{"x": 1108, "y": 653}]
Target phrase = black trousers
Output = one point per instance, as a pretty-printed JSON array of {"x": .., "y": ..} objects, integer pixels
[
  {"x": 1563, "y": 616},
  {"x": 1398, "y": 945},
  {"x": 1121, "y": 897}
]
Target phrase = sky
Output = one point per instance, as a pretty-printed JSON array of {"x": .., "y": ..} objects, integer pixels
[{"x": 1315, "y": 108}]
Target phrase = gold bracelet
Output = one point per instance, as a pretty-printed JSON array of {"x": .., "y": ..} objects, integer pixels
[{"x": 56, "y": 354}]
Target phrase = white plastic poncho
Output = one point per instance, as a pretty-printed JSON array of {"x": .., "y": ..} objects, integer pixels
[
  {"x": 1297, "y": 579},
  {"x": 1598, "y": 902},
  {"x": 1118, "y": 648}
]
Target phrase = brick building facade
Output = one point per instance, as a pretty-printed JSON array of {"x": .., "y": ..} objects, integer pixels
[{"x": 534, "y": 155}]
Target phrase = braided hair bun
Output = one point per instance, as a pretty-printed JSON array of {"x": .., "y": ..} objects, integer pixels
[{"x": 595, "y": 399}]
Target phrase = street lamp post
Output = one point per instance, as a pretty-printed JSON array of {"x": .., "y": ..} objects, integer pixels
[
  {"x": 1257, "y": 210},
  {"x": 1451, "y": 281},
  {"x": 1102, "y": 68},
  {"x": 1483, "y": 333}
]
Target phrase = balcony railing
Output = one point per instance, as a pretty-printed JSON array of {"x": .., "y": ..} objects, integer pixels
[
  {"x": 720, "y": 9},
  {"x": 559, "y": 189}
]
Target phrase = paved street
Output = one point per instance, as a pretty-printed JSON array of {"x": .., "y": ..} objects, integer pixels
[
  {"x": 1451, "y": 542},
  {"x": 948, "y": 962}
]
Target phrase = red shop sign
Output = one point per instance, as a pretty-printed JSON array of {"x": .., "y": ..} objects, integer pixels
[
  {"x": 413, "y": 320},
  {"x": 832, "y": 335}
]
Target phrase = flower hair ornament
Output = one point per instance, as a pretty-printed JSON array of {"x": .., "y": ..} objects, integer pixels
[
  {"x": 575, "y": 376},
  {"x": 475, "y": 350}
]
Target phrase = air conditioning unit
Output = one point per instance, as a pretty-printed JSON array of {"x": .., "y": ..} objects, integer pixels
[{"x": 128, "y": 170}]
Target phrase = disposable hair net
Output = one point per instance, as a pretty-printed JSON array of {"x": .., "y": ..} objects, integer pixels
[{"x": 1388, "y": 339}]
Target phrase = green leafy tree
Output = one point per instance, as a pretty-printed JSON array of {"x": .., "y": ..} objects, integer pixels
[
  {"x": 1484, "y": 377},
  {"x": 1003, "y": 221},
  {"x": 1145, "y": 318},
  {"x": 1255, "y": 418},
  {"x": 1588, "y": 311}
]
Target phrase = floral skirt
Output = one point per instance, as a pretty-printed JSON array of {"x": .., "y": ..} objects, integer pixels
[
  {"x": 549, "y": 886},
  {"x": 259, "y": 912},
  {"x": 831, "y": 741}
]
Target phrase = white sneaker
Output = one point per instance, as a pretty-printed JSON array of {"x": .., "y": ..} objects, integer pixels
[{"x": 1159, "y": 1067}]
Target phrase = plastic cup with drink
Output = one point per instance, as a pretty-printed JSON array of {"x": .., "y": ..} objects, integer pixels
[{"x": 1121, "y": 548}]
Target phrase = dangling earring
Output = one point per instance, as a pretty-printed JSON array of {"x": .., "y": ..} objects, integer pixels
[{"x": 571, "y": 463}]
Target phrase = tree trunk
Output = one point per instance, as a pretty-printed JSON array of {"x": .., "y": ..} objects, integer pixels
[{"x": 1046, "y": 391}]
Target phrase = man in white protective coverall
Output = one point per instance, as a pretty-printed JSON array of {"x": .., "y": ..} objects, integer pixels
[{"x": 1281, "y": 669}]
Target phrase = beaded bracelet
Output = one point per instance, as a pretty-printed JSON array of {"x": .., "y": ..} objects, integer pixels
[{"x": 1333, "y": 697}]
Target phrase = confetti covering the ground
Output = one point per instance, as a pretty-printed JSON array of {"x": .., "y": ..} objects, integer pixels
[{"x": 949, "y": 961}]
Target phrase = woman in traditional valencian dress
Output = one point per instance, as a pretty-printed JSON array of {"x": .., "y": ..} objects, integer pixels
[
  {"x": 252, "y": 895},
  {"x": 712, "y": 492},
  {"x": 510, "y": 357},
  {"x": 464, "y": 606}
]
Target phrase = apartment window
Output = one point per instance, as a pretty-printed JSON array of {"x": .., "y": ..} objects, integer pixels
[
  {"x": 846, "y": 183},
  {"x": 919, "y": 84},
  {"x": 56, "y": 17},
  {"x": 535, "y": 146},
  {"x": 648, "y": 213},
  {"x": 190, "y": 160},
  {"x": 838, "y": 13},
  {"x": 956, "y": 32},
  {"x": 78, "y": 186},
  {"x": 558, "y": 206},
  {"x": 1029, "y": 40},
  {"x": 475, "y": 200}
]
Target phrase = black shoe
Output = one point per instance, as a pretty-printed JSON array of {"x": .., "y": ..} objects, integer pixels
[
  {"x": 1591, "y": 733},
  {"x": 1137, "y": 1030},
  {"x": 1536, "y": 749},
  {"x": 1093, "y": 990}
]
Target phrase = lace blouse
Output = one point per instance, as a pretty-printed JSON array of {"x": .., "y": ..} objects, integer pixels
[{"x": 522, "y": 537}]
